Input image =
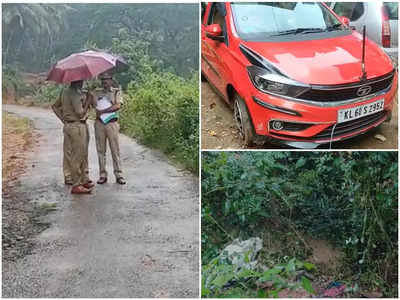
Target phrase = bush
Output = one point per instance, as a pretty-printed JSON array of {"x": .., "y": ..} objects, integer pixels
[
  {"x": 12, "y": 82},
  {"x": 48, "y": 92},
  {"x": 163, "y": 112},
  {"x": 222, "y": 279},
  {"x": 347, "y": 198}
]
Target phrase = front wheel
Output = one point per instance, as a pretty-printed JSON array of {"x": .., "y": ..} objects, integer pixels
[{"x": 243, "y": 121}]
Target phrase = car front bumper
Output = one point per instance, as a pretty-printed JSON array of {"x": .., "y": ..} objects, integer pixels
[{"x": 314, "y": 124}]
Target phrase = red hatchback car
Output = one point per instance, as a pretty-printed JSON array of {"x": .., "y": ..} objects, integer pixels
[{"x": 295, "y": 72}]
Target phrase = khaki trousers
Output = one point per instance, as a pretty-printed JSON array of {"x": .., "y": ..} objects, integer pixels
[
  {"x": 67, "y": 156},
  {"x": 104, "y": 132},
  {"x": 76, "y": 134}
]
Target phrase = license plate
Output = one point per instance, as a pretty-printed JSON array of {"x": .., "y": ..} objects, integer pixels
[{"x": 345, "y": 115}]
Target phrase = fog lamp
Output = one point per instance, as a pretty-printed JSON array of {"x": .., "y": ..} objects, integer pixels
[{"x": 277, "y": 125}]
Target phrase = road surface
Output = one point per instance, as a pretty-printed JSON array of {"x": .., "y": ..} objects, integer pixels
[{"x": 137, "y": 240}]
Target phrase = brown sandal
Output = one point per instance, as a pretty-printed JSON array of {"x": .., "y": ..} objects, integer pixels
[
  {"x": 88, "y": 184},
  {"x": 79, "y": 189}
]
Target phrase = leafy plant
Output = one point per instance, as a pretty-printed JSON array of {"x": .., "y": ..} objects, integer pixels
[
  {"x": 221, "y": 279},
  {"x": 48, "y": 93},
  {"x": 162, "y": 111},
  {"x": 346, "y": 198}
]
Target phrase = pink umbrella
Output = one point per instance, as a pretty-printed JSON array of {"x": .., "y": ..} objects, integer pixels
[{"x": 83, "y": 66}]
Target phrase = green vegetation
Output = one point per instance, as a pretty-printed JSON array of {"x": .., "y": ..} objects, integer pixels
[
  {"x": 163, "y": 112},
  {"x": 245, "y": 283},
  {"x": 348, "y": 199},
  {"x": 13, "y": 85},
  {"x": 48, "y": 92},
  {"x": 167, "y": 32}
]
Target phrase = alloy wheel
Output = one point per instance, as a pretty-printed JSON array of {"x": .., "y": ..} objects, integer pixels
[{"x": 238, "y": 118}]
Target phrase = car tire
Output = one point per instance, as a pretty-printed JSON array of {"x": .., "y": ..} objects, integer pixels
[{"x": 243, "y": 121}]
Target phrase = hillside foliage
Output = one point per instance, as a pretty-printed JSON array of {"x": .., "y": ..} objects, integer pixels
[{"x": 346, "y": 198}]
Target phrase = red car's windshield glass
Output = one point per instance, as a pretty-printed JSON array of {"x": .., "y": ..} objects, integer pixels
[{"x": 259, "y": 21}]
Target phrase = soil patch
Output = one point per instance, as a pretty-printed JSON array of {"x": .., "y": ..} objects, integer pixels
[
  {"x": 323, "y": 253},
  {"x": 9, "y": 95},
  {"x": 20, "y": 218},
  {"x": 17, "y": 139}
]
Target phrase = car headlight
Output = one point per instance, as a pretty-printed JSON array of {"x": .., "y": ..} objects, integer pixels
[
  {"x": 270, "y": 86},
  {"x": 275, "y": 84}
]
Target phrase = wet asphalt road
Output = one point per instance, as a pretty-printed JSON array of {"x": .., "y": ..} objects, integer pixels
[{"x": 137, "y": 240}]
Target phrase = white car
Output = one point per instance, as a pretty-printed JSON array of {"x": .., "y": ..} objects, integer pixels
[{"x": 380, "y": 18}]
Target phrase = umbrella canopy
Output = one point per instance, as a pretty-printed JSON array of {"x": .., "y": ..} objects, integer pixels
[{"x": 83, "y": 66}]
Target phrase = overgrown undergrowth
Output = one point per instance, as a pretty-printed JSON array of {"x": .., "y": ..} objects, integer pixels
[
  {"x": 162, "y": 111},
  {"x": 346, "y": 198}
]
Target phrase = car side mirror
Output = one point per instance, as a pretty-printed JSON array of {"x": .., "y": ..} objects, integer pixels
[
  {"x": 214, "y": 32},
  {"x": 345, "y": 20}
]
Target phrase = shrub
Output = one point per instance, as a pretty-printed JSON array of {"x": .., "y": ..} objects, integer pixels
[
  {"x": 347, "y": 198},
  {"x": 12, "y": 82},
  {"x": 162, "y": 111},
  {"x": 48, "y": 92}
]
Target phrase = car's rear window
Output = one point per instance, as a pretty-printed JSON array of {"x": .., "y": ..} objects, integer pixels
[
  {"x": 392, "y": 9},
  {"x": 263, "y": 21}
]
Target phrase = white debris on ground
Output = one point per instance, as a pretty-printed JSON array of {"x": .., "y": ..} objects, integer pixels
[
  {"x": 380, "y": 137},
  {"x": 242, "y": 254}
]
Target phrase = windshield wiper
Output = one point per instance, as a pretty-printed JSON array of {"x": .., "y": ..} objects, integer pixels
[
  {"x": 299, "y": 30},
  {"x": 335, "y": 27}
]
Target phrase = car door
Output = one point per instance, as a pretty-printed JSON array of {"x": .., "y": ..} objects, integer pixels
[{"x": 212, "y": 51}]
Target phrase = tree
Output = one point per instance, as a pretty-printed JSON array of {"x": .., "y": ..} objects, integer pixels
[{"x": 29, "y": 27}]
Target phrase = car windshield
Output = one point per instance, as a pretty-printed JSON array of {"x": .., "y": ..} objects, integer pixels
[{"x": 262, "y": 20}]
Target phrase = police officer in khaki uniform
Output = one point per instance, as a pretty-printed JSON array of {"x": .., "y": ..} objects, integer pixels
[
  {"x": 67, "y": 147},
  {"x": 74, "y": 114},
  {"x": 107, "y": 129}
]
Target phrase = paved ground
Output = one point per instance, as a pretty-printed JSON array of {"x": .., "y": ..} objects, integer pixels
[
  {"x": 218, "y": 130},
  {"x": 137, "y": 240}
]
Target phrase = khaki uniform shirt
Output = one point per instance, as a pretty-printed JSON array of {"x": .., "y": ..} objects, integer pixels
[
  {"x": 57, "y": 108},
  {"x": 69, "y": 107}
]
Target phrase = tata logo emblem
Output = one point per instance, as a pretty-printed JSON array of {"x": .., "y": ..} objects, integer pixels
[{"x": 364, "y": 90}]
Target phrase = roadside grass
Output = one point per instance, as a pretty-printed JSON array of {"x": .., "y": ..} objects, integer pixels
[{"x": 17, "y": 136}]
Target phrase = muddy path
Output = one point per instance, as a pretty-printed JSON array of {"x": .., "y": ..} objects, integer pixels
[
  {"x": 137, "y": 240},
  {"x": 218, "y": 130}
]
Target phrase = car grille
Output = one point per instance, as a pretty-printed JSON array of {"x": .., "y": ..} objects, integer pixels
[
  {"x": 343, "y": 128},
  {"x": 351, "y": 126},
  {"x": 346, "y": 92}
]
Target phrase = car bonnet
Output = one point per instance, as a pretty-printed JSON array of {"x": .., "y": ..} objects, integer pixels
[{"x": 324, "y": 62}]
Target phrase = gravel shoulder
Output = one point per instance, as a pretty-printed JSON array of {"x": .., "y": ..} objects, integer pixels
[
  {"x": 137, "y": 240},
  {"x": 218, "y": 130}
]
